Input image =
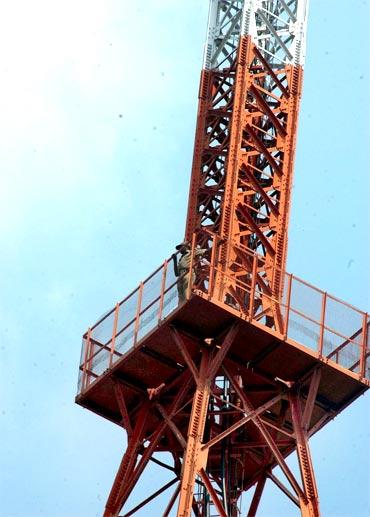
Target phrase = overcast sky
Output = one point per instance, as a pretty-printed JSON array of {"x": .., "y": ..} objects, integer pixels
[{"x": 97, "y": 115}]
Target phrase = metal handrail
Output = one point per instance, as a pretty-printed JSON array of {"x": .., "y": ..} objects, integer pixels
[{"x": 252, "y": 289}]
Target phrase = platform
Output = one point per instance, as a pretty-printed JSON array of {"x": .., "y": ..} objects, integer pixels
[{"x": 134, "y": 347}]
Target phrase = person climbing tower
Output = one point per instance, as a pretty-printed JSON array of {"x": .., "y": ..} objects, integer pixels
[{"x": 182, "y": 268}]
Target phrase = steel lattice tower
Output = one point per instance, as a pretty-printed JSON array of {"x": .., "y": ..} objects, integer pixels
[
  {"x": 238, "y": 375},
  {"x": 246, "y": 133}
]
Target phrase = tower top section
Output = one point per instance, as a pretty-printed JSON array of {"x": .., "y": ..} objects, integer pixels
[{"x": 277, "y": 27}]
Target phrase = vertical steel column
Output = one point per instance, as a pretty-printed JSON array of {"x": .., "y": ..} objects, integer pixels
[
  {"x": 128, "y": 462},
  {"x": 195, "y": 459},
  {"x": 310, "y": 507}
]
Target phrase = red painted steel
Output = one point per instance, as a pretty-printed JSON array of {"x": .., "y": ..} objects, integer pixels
[
  {"x": 239, "y": 375},
  {"x": 353, "y": 343},
  {"x": 245, "y": 142},
  {"x": 257, "y": 497},
  {"x": 165, "y": 413}
]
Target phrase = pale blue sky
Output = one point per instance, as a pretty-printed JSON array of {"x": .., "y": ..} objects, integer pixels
[{"x": 97, "y": 116}]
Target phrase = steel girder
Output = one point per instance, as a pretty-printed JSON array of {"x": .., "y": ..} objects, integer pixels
[
  {"x": 246, "y": 135},
  {"x": 215, "y": 435}
]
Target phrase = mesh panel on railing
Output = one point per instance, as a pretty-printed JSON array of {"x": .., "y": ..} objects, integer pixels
[
  {"x": 125, "y": 340},
  {"x": 306, "y": 300},
  {"x": 343, "y": 334},
  {"x": 103, "y": 331},
  {"x": 285, "y": 280},
  {"x": 149, "y": 307},
  {"x": 82, "y": 360},
  {"x": 343, "y": 319},
  {"x": 148, "y": 319},
  {"x": 127, "y": 311},
  {"x": 126, "y": 324},
  {"x": 344, "y": 352},
  {"x": 303, "y": 330},
  {"x": 79, "y": 382},
  {"x": 83, "y": 351},
  {"x": 170, "y": 299},
  {"x": 305, "y": 314},
  {"x": 99, "y": 358},
  {"x": 151, "y": 289},
  {"x": 285, "y": 288},
  {"x": 100, "y": 361}
]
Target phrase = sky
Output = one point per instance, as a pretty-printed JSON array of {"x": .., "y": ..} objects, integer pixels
[{"x": 97, "y": 116}]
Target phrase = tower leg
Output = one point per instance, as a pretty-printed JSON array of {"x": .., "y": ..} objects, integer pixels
[
  {"x": 131, "y": 466},
  {"x": 257, "y": 497},
  {"x": 194, "y": 459},
  {"x": 128, "y": 462},
  {"x": 310, "y": 506}
]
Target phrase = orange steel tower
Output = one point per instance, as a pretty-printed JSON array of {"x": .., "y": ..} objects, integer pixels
[{"x": 228, "y": 363}]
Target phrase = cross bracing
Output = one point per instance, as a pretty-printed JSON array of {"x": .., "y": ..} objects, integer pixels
[{"x": 277, "y": 27}]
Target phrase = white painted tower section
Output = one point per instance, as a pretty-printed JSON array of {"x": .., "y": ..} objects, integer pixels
[
  {"x": 224, "y": 27},
  {"x": 277, "y": 27}
]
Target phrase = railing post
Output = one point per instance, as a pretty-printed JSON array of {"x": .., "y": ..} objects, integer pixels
[
  {"x": 253, "y": 287},
  {"x": 364, "y": 346},
  {"x": 212, "y": 267},
  {"x": 163, "y": 287},
  {"x": 138, "y": 310},
  {"x": 191, "y": 267},
  {"x": 113, "y": 340},
  {"x": 289, "y": 296},
  {"x": 87, "y": 350},
  {"x": 322, "y": 324}
]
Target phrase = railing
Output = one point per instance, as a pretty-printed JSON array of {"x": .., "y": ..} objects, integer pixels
[
  {"x": 127, "y": 323},
  {"x": 303, "y": 313}
]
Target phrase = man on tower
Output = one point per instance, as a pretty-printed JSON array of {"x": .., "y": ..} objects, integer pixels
[{"x": 182, "y": 268}]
